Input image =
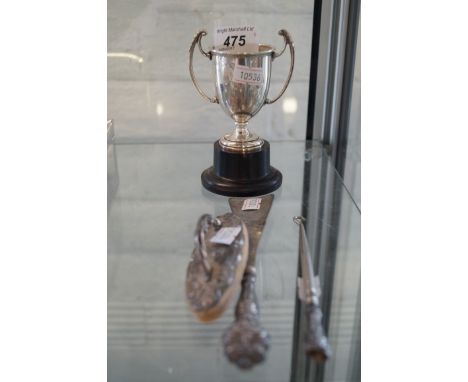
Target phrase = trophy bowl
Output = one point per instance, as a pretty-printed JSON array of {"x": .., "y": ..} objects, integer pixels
[{"x": 242, "y": 80}]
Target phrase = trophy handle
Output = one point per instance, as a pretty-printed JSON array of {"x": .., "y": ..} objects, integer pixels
[
  {"x": 197, "y": 39},
  {"x": 287, "y": 41}
]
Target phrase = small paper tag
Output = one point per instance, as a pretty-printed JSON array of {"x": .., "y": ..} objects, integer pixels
[
  {"x": 237, "y": 37},
  {"x": 247, "y": 75},
  {"x": 251, "y": 204},
  {"x": 226, "y": 235}
]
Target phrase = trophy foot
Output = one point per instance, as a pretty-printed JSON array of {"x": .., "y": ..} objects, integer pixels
[
  {"x": 229, "y": 187},
  {"x": 241, "y": 174},
  {"x": 241, "y": 139}
]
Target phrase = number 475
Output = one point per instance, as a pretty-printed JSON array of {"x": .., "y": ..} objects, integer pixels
[{"x": 231, "y": 40}]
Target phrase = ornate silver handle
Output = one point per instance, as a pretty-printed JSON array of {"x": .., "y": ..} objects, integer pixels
[
  {"x": 197, "y": 39},
  {"x": 315, "y": 342},
  {"x": 287, "y": 41},
  {"x": 245, "y": 341}
]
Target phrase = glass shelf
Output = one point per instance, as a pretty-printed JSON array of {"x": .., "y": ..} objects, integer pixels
[{"x": 155, "y": 201}]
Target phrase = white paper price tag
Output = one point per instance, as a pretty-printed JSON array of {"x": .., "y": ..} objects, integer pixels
[
  {"x": 247, "y": 75},
  {"x": 226, "y": 235},
  {"x": 251, "y": 204},
  {"x": 238, "y": 37}
]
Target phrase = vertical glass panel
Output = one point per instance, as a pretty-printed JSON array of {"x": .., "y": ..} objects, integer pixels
[
  {"x": 334, "y": 232},
  {"x": 352, "y": 174}
]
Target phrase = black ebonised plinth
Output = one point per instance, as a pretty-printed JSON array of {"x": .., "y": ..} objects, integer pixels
[{"x": 241, "y": 174}]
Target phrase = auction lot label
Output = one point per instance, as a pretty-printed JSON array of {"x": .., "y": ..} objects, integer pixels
[{"x": 238, "y": 38}]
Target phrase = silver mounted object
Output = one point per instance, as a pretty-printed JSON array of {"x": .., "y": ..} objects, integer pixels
[
  {"x": 246, "y": 342},
  {"x": 315, "y": 342},
  {"x": 215, "y": 270}
]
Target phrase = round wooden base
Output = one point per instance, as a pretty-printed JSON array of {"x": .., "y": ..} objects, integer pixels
[{"x": 241, "y": 174}]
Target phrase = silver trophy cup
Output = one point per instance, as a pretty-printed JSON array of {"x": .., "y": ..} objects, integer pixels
[{"x": 242, "y": 81}]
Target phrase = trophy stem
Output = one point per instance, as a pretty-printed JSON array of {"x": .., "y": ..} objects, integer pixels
[
  {"x": 241, "y": 139},
  {"x": 241, "y": 132}
]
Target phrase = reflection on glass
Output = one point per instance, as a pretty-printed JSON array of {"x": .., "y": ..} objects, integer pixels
[
  {"x": 289, "y": 105},
  {"x": 159, "y": 109},
  {"x": 130, "y": 56}
]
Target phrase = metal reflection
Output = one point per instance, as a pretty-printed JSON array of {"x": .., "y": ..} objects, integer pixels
[{"x": 130, "y": 56}]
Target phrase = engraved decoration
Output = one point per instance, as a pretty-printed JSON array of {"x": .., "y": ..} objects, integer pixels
[
  {"x": 246, "y": 342},
  {"x": 213, "y": 268}
]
